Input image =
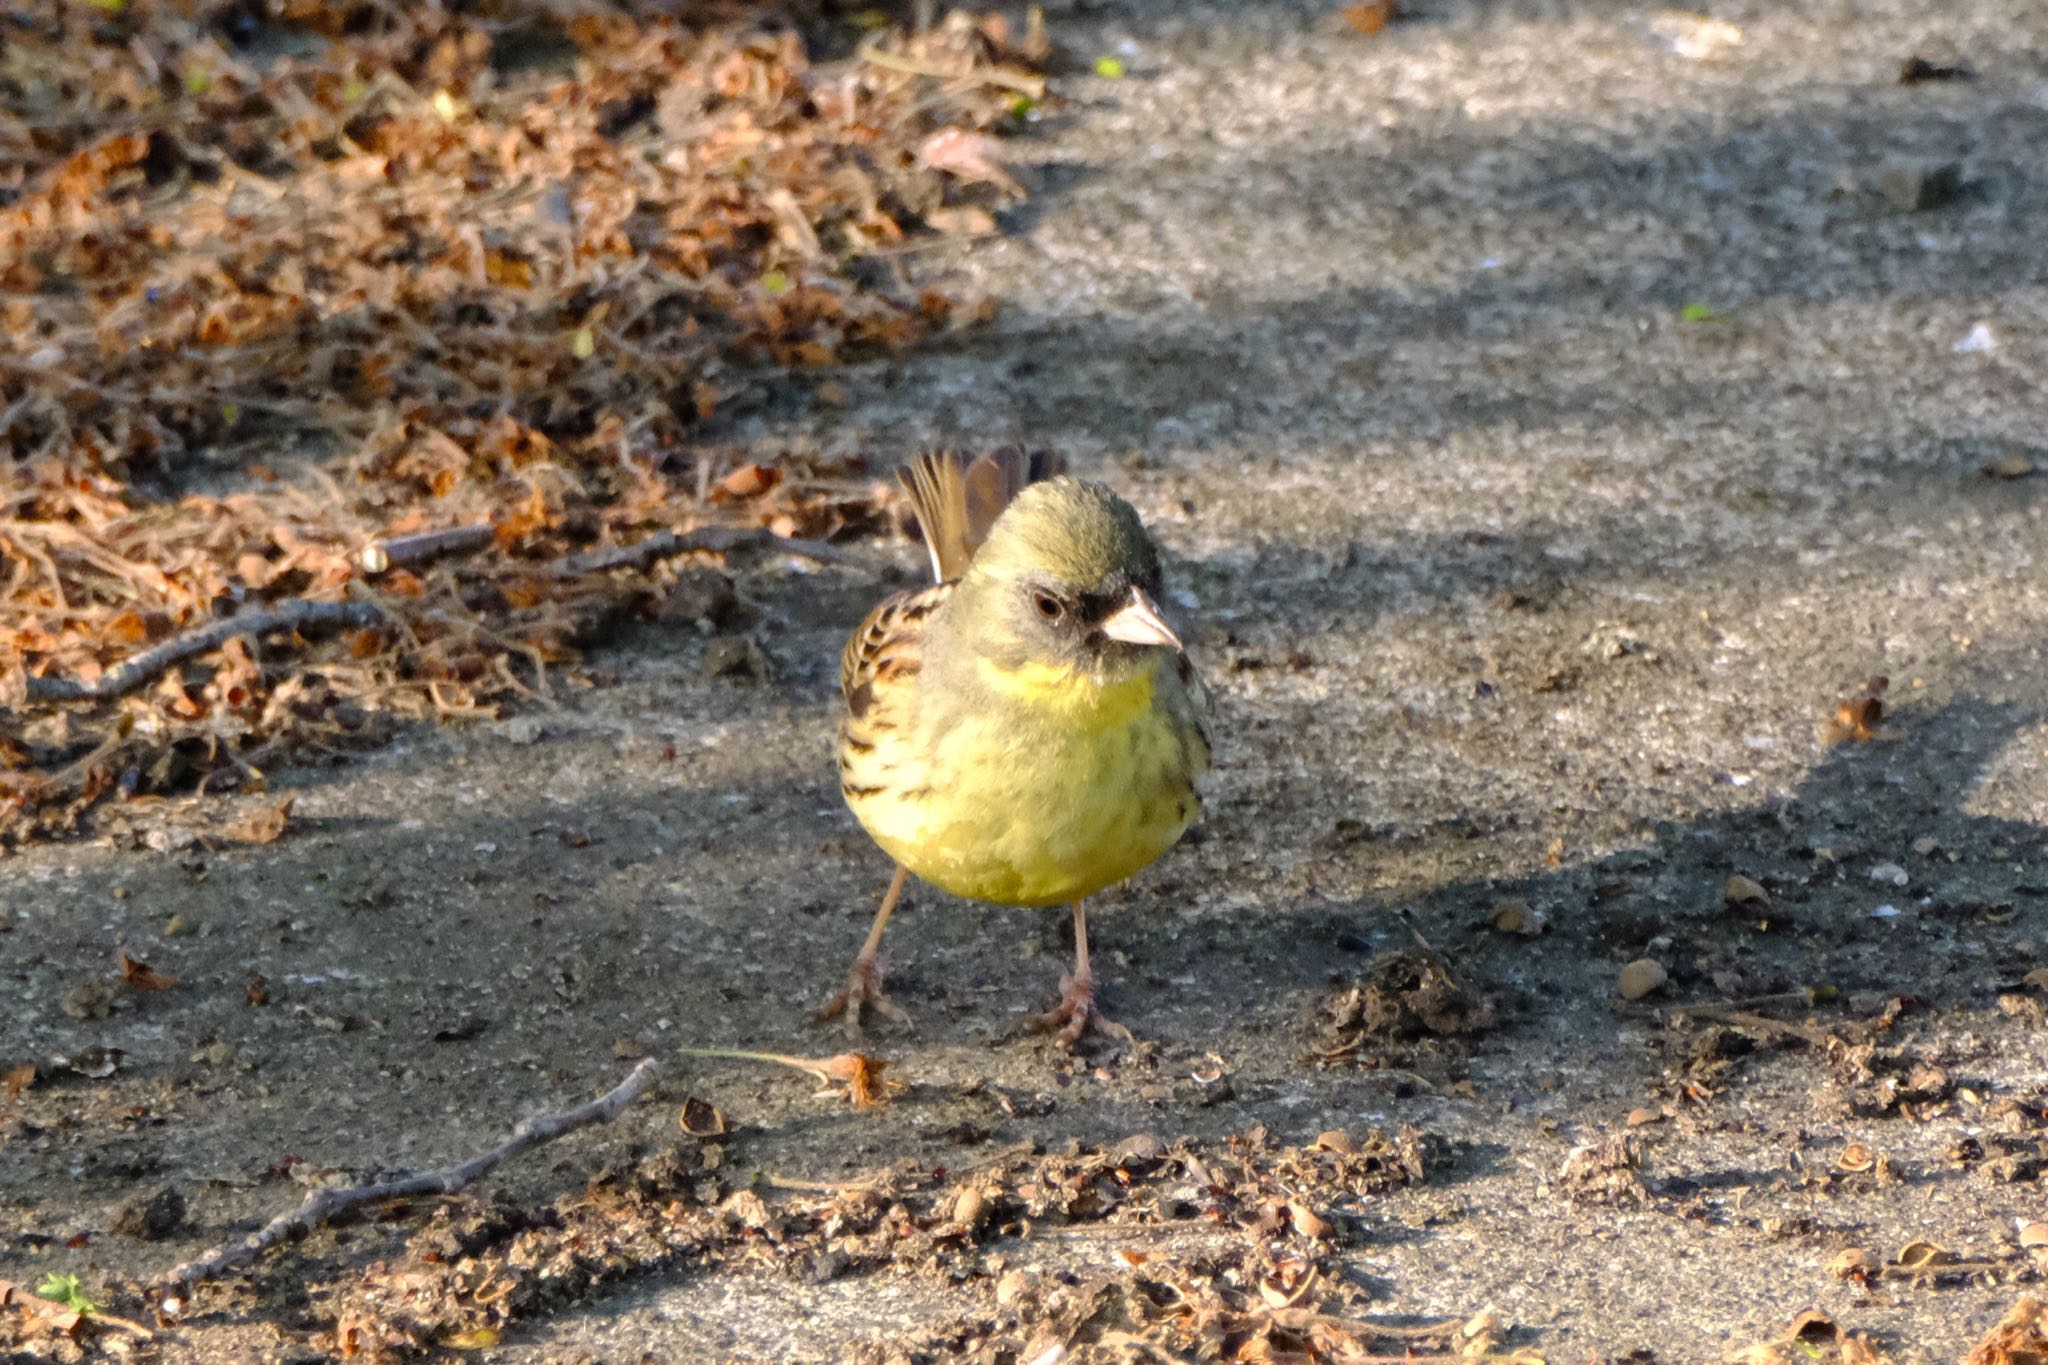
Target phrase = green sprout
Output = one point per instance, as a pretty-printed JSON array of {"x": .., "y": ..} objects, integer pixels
[{"x": 66, "y": 1290}]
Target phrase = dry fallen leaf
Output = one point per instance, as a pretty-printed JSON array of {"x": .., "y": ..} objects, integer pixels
[
  {"x": 1857, "y": 718},
  {"x": 748, "y": 481},
  {"x": 865, "y": 1085},
  {"x": 1307, "y": 1222},
  {"x": 1920, "y": 1255},
  {"x": 2020, "y": 1338},
  {"x": 1370, "y": 16},
  {"x": 1288, "y": 1283},
  {"x": 264, "y": 825},
  {"x": 1815, "y": 1328},
  {"x": 140, "y": 976},
  {"x": 701, "y": 1118},
  {"x": 972, "y": 157}
]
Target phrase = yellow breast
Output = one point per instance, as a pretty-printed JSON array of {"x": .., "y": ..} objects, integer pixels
[{"x": 1065, "y": 787}]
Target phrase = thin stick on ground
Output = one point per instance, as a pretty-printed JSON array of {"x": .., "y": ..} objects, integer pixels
[
  {"x": 399, "y": 552},
  {"x": 295, "y": 613},
  {"x": 322, "y": 1205}
]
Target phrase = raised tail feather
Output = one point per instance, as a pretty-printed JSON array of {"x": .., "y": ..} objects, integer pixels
[{"x": 958, "y": 496}]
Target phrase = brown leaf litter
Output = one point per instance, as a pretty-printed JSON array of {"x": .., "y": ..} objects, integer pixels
[
  {"x": 1404, "y": 1008},
  {"x": 1221, "y": 1249},
  {"x": 1605, "y": 1170},
  {"x": 1708, "y": 1041},
  {"x": 2020, "y": 1338},
  {"x": 324, "y": 365}
]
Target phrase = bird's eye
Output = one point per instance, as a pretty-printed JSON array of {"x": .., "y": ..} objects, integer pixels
[{"x": 1049, "y": 607}]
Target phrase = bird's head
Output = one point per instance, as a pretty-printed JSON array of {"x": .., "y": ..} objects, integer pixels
[{"x": 1068, "y": 577}]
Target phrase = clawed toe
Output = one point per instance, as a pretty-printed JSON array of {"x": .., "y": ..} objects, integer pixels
[
  {"x": 1077, "y": 1015},
  {"x": 863, "y": 991}
]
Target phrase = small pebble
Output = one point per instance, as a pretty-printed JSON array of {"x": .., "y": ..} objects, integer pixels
[{"x": 1641, "y": 977}]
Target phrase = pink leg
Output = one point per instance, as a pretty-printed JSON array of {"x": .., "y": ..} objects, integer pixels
[
  {"x": 1076, "y": 1013},
  {"x": 864, "y": 982}
]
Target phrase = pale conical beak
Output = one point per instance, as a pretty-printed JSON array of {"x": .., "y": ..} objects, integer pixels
[{"x": 1138, "y": 622}]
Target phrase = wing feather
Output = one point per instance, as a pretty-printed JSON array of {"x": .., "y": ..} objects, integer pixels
[
  {"x": 958, "y": 497},
  {"x": 888, "y": 646}
]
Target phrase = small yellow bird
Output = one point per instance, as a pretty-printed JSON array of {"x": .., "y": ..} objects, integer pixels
[{"x": 1029, "y": 731}]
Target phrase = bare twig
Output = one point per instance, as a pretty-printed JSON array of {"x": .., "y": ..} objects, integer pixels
[
  {"x": 324, "y": 1204},
  {"x": 380, "y": 556},
  {"x": 703, "y": 540},
  {"x": 292, "y": 614}
]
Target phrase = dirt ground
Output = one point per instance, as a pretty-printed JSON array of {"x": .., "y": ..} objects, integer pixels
[{"x": 1548, "y": 420}]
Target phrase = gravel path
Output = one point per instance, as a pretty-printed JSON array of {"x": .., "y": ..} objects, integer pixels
[{"x": 1551, "y": 413}]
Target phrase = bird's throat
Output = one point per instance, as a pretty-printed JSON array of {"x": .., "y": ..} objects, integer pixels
[{"x": 1074, "y": 696}]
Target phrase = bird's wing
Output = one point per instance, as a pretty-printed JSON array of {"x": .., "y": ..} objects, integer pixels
[
  {"x": 957, "y": 498},
  {"x": 887, "y": 648}
]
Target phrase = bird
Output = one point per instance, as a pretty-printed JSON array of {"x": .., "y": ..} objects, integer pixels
[{"x": 1027, "y": 731}]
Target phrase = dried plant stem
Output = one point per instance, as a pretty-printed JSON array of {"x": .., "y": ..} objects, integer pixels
[
  {"x": 292, "y": 614},
  {"x": 1021, "y": 82},
  {"x": 858, "y": 1185},
  {"x": 323, "y": 1205},
  {"x": 861, "y": 1074}
]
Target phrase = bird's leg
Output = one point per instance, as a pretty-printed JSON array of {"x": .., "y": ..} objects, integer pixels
[
  {"x": 864, "y": 982},
  {"x": 1076, "y": 1013}
]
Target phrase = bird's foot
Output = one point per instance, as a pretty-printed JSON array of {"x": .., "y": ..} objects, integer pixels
[
  {"x": 1077, "y": 1015},
  {"x": 863, "y": 991}
]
